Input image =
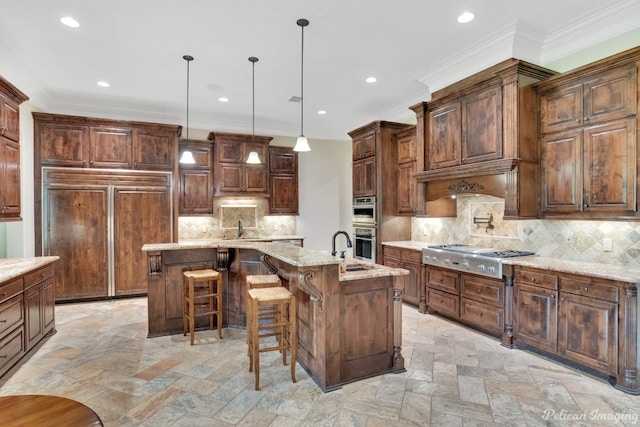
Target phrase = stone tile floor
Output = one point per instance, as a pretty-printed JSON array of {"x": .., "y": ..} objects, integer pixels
[{"x": 455, "y": 377}]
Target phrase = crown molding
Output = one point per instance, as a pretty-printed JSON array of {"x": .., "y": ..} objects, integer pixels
[{"x": 612, "y": 19}]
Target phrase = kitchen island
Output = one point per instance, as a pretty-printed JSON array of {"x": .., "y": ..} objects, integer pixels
[{"x": 349, "y": 324}]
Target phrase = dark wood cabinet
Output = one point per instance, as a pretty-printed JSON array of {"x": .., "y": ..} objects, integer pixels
[
  {"x": 97, "y": 222},
  {"x": 10, "y": 205},
  {"x": 196, "y": 180},
  {"x": 480, "y": 127},
  {"x": 27, "y": 312},
  {"x": 110, "y": 147},
  {"x": 443, "y": 292},
  {"x": 153, "y": 149},
  {"x": 233, "y": 176},
  {"x": 407, "y": 165},
  {"x": 411, "y": 260},
  {"x": 283, "y": 181},
  {"x": 376, "y": 175},
  {"x": 589, "y": 148},
  {"x": 10, "y": 100},
  {"x": 482, "y": 303},
  {"x": 535, "y": 312}
]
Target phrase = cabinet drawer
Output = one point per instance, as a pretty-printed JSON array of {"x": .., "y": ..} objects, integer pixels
[
  {"x": 392, "y": 252},
  {"x": 482, "y": 316},
  {"x": 11, "y": 349},
  {"x": 482, "y": 289},
  {"x": 443, "y": 302},
  {"x": 444, "y": 280},
  {"x": 589, "y": 289},
  {"x": 412, "y": 256},
  {"x": 10, "y": 289},
  {"x": 536, "y": 279},
  {"x": 38, "y": 276},
  {"x": 11, "y": 313}
]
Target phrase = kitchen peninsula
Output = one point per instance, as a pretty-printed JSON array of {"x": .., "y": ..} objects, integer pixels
[{"x": 349, "y": 324}]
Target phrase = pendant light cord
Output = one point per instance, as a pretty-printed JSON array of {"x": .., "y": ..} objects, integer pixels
[
  {"x": 302, "y": 85},
  {"x": 188, "y": 58},
  {"x": 253, "y": 100}
]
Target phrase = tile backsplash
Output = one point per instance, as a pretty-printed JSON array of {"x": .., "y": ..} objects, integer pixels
[
  {"x": 572, "y": 240},
  {"x": 227, "y": 211}
]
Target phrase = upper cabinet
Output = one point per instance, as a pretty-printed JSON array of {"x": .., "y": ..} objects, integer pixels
[
  {"x": 283, "y": 181},
  {"x": 589, "y": 144},
  {"x": 196, "y": 180},
  {"x": 101, "y": 143},
  {"x": 484, "y": 125},
  {"x": 10, "y": 100},
  {"x": 233, "y": 175},
  {"x": 407, "y": 186}
]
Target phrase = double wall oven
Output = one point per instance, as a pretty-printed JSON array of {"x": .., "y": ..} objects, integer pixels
[{"x": 364, "y": 228}]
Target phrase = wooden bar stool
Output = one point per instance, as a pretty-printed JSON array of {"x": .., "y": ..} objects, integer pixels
[
  {"x": 257, "y": 281},
  {"x": 283, "y": 326},
  {"x": 202, "y": 296}
]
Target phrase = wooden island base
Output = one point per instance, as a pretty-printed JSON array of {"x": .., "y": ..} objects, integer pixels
[{"x": 349, "y": 325}]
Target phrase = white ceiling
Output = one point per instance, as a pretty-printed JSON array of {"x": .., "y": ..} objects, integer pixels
[{"x": 411, "y": 46}]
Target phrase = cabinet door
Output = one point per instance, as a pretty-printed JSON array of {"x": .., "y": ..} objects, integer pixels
[
  {"x": 64, "y": 145},
  {"x": 610, "y": 167},
  {"x": 364, "y": 177},
  {"x": 9, "y": 179},
  {"x": 230, "y": 177},
  {"x": 364, "y": 146},
  {"x": 230, "y": 152},
  {"x": 588, "y": 332},
  {"x": 412, "y": 283},
  {"x": 48, "y": 305},
  {"x": 10, "y": 120},
  {"x": 33, "y": 315},
  {"x": 283, "y": 194},
  {"x": 259, "y": 148},
  {"x": 407, "y": 145},
  {"x": 611, "y": 94},
  {"x": 482, "y": 126},
  {"x": 75, "y": 229},
  {"x": 255, "y": 178},
  {"x": 141, "y": 215},
  {"x": 153, "y": 150},
  {"x": 195, "y": 192},
  {"x": 407, "y": 189},
  {"x": 562, "y": 172},
  {"x": 536, "y": 316},
  {"x": 445, "y": 136},
  {"x": 561, "y": 108},
  {"x": 110, "y": 148},
  {"x": 282, "y": 161}
]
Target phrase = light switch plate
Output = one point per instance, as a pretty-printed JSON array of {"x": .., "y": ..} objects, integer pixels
[{"x": 607, "y": 245}]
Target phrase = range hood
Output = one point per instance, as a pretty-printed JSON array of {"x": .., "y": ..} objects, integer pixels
[{"x": 513, "y": 180}]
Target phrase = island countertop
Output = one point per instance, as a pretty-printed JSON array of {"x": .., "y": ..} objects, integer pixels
[{"x": 15, "y": 267}]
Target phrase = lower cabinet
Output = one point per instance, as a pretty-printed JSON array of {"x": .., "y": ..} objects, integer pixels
[
  {"x": 575, "y": 317},
  {"x": 411, "y": 260},
  {"x": 27, "y": 314},
  {"x": 443, "y": 291}
]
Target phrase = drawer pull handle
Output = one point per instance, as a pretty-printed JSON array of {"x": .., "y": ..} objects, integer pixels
[
  {"x": 2, "y": 295},
  {"x": 553, "y": 296},
  {"x": 3, "y": 356},
  {"x": 3, "y": 321},
  {"x": 586, "y": 289}
]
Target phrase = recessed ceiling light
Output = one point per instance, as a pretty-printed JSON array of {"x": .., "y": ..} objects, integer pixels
[
  {"x": 223, "y": 99},
  {"x": 69, "y": 22},
  {"x": 371, "y": 79},
  {"x": 103, "y": 84},
  {"x": 322, "y": 112},
  {"x": 466, "y": 17}
]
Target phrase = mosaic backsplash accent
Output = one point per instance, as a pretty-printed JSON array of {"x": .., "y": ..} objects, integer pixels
[
  {"x": 207, "y": 227},
  {"x": 570, "y": 240}
]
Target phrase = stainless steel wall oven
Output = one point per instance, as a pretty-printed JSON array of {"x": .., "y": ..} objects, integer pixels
[
  {"x": 364, "y": 210},
  {"x": 364, "y": 242}
]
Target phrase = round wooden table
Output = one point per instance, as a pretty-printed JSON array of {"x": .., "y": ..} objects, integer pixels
[{"x": 42, "y": 411}]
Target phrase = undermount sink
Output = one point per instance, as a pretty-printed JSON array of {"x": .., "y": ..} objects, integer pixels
[{"x": 358, "y": 267}]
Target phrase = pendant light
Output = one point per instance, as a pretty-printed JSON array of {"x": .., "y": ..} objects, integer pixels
[
  {"x": 253, "y": 155},
  {"x": 301, "y": 143},
  {"x": 187, "y": 156}
]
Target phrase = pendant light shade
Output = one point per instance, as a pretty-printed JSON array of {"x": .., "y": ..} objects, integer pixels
[
  {"x": 301, "y": 143},
  {"x": 253, "y": 155},
  {"x": 187, "y": 156}
]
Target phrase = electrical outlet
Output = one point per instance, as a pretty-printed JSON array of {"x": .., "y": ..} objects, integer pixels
[{"x": 607, "y": 245}]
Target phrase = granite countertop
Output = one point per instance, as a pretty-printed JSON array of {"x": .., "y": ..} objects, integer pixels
[
  {"x": 11, "y": 268},
  {"x": 373, "y": 270},
  {"x": 595, "y": 269},
  {"x": 214, "y": 243}
]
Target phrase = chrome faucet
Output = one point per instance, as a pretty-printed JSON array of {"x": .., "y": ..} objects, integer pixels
[
  {"x": 333, "y": 242},
  {"x": 240, "y": 230}
]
